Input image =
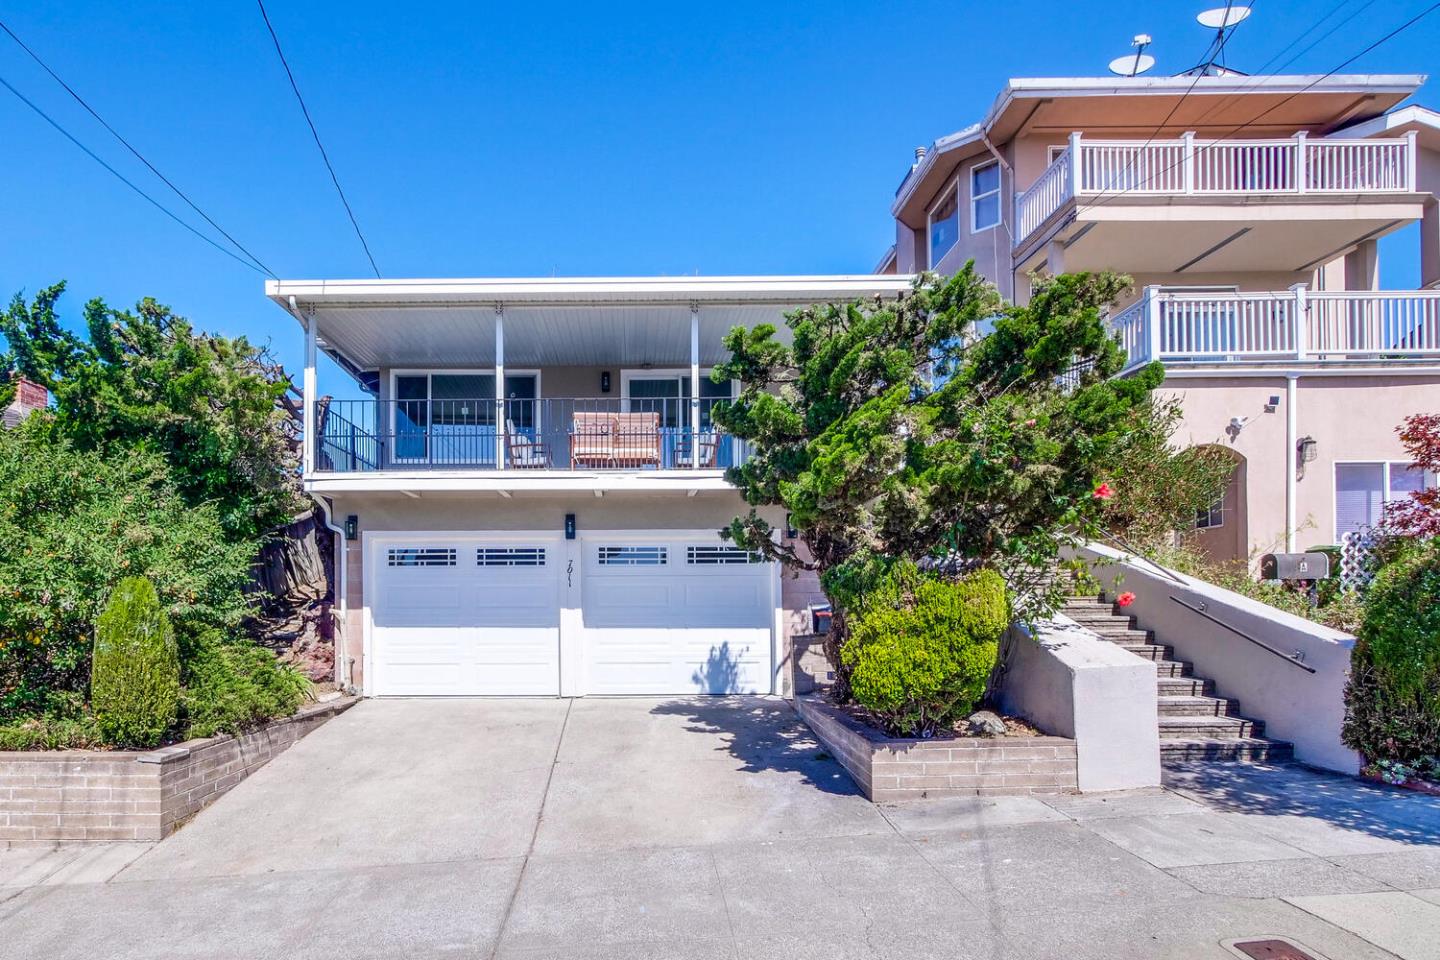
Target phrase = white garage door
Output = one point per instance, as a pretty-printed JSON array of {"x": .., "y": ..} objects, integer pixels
[
  {"x": 465, "y": 617},
  {"x": 675, "y": 616}
]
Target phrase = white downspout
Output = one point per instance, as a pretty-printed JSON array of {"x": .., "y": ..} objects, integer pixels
[
  {"x": 342, "y": 649},
  {"x": 1291, "y": 428}
]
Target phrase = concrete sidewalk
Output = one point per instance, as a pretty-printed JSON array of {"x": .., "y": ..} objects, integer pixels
[{"x": 718, "y": 828}]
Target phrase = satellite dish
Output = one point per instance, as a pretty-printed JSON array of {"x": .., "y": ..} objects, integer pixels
[
  {"x": 1222, "y": 18},
  {"x": 1132, "y": 64}
]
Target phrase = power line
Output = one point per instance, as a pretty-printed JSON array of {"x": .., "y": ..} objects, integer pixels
[
  {"x": 121, "y": 177},
  {"x": 126, "y": 143},
  {"x": 316, "y": 134}
]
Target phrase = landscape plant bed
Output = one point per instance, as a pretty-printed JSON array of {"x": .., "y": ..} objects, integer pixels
[
  {"x": 950, "y": 764},
  {"x": 137, "y": 795}
]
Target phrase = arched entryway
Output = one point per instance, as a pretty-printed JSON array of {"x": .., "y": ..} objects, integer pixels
[{"x": 1222, "y": 532}]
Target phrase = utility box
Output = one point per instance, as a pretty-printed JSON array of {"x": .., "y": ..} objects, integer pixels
[{"x": 1294, "y": 566}]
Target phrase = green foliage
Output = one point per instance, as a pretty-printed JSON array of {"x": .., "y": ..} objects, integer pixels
[
  {"x": 135, "y": 673},
  {"x": 1164, "y": 486},
  {"x": 1393, "y": 698},
  {"x": 52, "y": 733},
  {"x": 921, "y": 649},
  {"x": 72, "y": 524},
  {"x": 232, "y": 686},
  {"x": 892, "y": 428},
  {"x": 215, "y": 408}
]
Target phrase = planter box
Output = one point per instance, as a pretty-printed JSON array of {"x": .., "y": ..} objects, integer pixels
[
  {"x": 136, "y": 795},
  {"x": 888, "y": 768}
]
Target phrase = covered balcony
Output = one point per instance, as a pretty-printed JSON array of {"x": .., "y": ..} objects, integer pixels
[
  {"x": 545, "y": 384},
  {"x": 1175, "y": 205},
  {"x": 1290, "y": 326}
]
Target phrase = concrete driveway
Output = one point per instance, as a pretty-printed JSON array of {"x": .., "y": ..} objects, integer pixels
[{"x": 716, "y": 828}]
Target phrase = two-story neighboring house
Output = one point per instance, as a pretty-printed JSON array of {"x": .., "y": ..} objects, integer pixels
[
  {"x": 1248, "y": 210},
  {"x": 530, "y": 496}
]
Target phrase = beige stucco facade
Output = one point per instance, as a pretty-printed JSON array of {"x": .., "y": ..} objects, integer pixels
[{"x": 1350, "y": 417}]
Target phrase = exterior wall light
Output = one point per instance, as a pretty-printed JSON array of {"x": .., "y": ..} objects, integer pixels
[
  {"x": 352, "y": 527},
  {"x": 1307, "y": 449},
  {"x": 605, "y": 381}
]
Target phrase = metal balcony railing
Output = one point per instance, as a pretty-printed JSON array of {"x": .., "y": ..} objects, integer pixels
[
  {"x": 571, "y": 434},
  {"x": 1191, "y": 167},
  {"x": 1294, "y": 324}
]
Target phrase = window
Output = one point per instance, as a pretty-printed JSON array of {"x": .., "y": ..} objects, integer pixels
[
  {"x": 984, "y": 196},
  {"x": 1052, "y": 153},
  {"x": 944, "y": 225},
  {"x": 510, "y": 556},
  {"x": 421, "y": 557},
  {"x": 668, "y": 394},
  {"x": 633, "y": 556},
  {"x": 1214, "y": 516},
  {"x": 449, "y": 417},
  {"x": 1363, "y": 489},
  {"x": 719, "y": 555}
]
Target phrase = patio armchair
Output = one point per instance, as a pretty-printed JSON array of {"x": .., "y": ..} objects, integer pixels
[{"x": 524, "y": 452}]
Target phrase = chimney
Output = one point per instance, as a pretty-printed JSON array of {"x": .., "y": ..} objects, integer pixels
[
  {"x": 29, "y": 397},
  {"x": 919, "y": 155}
]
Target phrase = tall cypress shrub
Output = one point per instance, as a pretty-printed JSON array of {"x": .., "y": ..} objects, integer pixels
[{"x": 135, "y": 673}]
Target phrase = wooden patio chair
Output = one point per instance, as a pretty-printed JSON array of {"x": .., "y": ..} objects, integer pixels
[
  {"x": 592, "y": 439},
  {"x": 637, "y": 439}
]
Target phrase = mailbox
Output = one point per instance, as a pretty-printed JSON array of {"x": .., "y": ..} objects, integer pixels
[{"x": 1294, "y": 566}]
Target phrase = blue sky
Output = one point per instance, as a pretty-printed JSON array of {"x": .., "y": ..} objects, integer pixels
[{"x": 478, "y": 139}]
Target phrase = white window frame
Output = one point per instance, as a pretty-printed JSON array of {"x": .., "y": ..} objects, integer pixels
[
  {"x": 999, "y": 186},
  {"x": 429, "y": 374},
  {"x": 1214, "y": 516},
  {"x": 945, "y": 193},
  {"x": 1428, "y": 481},
  {"x": 1053, "y": 153}
]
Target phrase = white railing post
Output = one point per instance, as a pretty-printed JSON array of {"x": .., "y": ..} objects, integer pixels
[
  {"x": 1302, "y": 320},
  {"x": 1189, "y": 161},
  {"x": 499, "y": 386},
  {"x": 1152, "y": 323},
  {"x": 307, "y": 456},
  {"x": 1300, "y": 162},
  {"x": 1075, "y": 162},
  {"x": 1411, "y": 183},
  {"x": 695, "y": 386}
]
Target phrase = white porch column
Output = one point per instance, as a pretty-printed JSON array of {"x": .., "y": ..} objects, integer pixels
[
  {"x": 1152, "y": 322},
  {"x": 1075, "y": 178},
  {"x": 1189, "y": 161},
  {"x": 1300, "y": 165},
  {"x": 695, "y": 385},
  {"x": 499, "y": 386},
  {"x": 1301, "y": 307},
  {"x": 1292, "y": 425},
  {"x": 308, "y": 384}
]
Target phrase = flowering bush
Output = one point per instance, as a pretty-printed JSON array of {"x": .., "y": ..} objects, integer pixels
[
  {"x": 1125, "y": 599},
  {"x": 1419, "y": 515}
]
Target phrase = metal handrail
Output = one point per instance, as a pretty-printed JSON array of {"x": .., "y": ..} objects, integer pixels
[{"x": 1291, "y": 658}]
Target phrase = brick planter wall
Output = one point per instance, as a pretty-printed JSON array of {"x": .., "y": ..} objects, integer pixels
[
  {"x": 901, "y": 769},
  {"x": 139, "y": 795}
]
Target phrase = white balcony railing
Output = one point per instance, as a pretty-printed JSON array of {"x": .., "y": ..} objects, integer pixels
[
  {"x": 1191, "y": 167},
  {"x": 1294, "y": 324}
]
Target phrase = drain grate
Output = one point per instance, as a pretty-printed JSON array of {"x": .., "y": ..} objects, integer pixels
[{"x": 1271, "y": 950}]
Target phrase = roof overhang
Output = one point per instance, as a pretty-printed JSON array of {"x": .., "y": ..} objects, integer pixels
[
  {"x": 1424, "y": 121},
  {"x": 1125, "y": 107},
  {"x": 553, "y": 321}
]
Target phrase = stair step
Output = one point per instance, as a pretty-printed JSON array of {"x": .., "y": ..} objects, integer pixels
[
  {"x": 1083, "y": 615},
  {"x": 1173, "y": 668},
  {"x": 1150, "y": 651},
  {"x": 1123, "y": 634},
  {"x": 1246, "y": 749},
  {"x": 1196, "y": 706},
  {"x": 1209, "y": 728},
  {"x": 1185, "y": 687}
]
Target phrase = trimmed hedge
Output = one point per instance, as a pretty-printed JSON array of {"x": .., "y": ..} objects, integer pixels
[
  {"x": 921, "y": 649},
  {"x": 1393, "y": 697}
]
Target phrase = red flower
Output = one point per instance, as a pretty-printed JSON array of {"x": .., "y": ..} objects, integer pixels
[
  {"x": 1125, "y": 599},
  {"x": 1104, "y": 492}
]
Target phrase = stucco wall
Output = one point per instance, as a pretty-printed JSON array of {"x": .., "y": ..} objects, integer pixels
[
  {"x": 1306, "y": 708},
  {"x": 1349, "y": 417}
]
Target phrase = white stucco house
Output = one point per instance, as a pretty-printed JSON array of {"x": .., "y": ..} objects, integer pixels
[{"x": 531, "y": 491}]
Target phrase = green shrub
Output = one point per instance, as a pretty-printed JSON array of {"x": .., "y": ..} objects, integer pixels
[
  {"x": 234, "y": 685},
  {"x": 921, "y": 649},
  {"x": 73, "y": 524},
  {"x": 135, "y": 674},
  {"x": 52, "y": 733},
  {"x": 1393, "y": 697}
]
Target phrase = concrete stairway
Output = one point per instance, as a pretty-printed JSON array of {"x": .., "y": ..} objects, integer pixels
[{"x": 1194, "y": 723}]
